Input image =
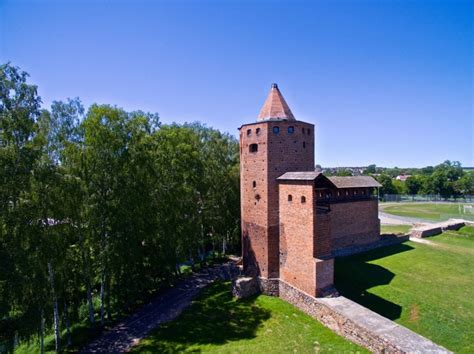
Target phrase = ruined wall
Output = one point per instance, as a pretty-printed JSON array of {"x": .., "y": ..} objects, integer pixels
[{"x": 354, "y": 223}]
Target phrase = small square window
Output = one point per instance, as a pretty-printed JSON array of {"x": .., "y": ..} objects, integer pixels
[
  {"x": 258, "y": 131},
  {"x": 291, "y": 130},
  {"x": 303, "y": 199},
  {"x": 290, "y": 197},
  {"x": 309, "y": 131},
  {"x": 276, "y": 130},
  {"x": 253, "y": 147},
  {"x": 249, "y": 132}
]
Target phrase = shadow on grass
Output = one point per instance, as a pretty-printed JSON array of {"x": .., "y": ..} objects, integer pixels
[
  {"x": 354, "y": 276},
  {"x": 214, "y": 318}
]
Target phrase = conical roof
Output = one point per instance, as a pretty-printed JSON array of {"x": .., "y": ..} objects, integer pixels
[{"x": 275, "y": 107}]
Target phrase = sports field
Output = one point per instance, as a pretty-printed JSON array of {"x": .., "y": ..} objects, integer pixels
[{"x": 430, "y": 211}]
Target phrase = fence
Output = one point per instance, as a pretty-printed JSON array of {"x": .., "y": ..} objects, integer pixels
[{"x": 426, "y": 198}]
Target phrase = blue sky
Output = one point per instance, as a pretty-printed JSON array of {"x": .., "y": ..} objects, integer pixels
[{"x": 385, "y": 82}]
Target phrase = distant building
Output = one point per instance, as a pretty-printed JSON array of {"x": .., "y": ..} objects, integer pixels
[
  {"x": 402, "y": 177},
  {"x": 294, "y": 218}
]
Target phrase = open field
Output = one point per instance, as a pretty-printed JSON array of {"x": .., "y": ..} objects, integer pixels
[
  {"x": 218, "y": 323},
  {"x": 430, "y": 211},
  {"x": 395, "y": 229},
  {"x": 426, "y": 287}
]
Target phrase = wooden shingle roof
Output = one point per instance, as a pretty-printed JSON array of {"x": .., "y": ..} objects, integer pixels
[
  {"x": 354, "y": 182},
  {"x": 299, "y": 176}
]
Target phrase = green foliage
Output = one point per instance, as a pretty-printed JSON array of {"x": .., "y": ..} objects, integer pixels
[
  {"x": 426, "y": 287},
  {"x": 387, "y": 185},
  {"x": 99, "y": 209},
  {"x": 344, "y": 173},
  {"x": 218, "y": 323}
]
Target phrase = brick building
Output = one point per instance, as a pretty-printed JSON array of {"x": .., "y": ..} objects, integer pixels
[{"x": 293, "y": 218}]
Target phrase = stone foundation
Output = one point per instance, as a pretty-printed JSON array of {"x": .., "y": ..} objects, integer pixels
[
  {"x": 269, "y": 286},
  {"x": 359, "y": 324}
]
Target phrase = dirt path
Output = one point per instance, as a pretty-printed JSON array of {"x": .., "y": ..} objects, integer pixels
[{"x": 164, "y": 308}]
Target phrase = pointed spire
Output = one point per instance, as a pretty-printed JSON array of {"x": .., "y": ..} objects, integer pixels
[{"x": 275, "y": 107}]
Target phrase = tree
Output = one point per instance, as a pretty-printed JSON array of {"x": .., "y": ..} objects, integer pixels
[
  {"x": 413, "y": 185},
  {"x": 387, "y": 185},
  {"x": 370, "y": 169}
]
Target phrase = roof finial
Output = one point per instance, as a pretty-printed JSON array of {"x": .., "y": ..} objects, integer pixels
[{"x": 274, "y": 85}]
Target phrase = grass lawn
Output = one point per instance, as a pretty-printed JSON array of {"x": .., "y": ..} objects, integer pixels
[
  {"x": 428, "y": 288},
  {"x": 394, "y": 229},
  {"x": 430, "y": 211},
  {"x": 216, "y": 322}
]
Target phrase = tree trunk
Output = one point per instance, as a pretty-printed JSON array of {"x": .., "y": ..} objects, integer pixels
[
  {"x": 68, "y": 327},
  {"x": 102, "y": 297},
  {"x": 85, "y": 261},
  {"x": 42, "y": 332},
  {"x": 57, "y": 338}
]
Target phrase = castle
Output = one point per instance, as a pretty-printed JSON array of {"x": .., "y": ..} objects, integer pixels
[{"x": 294, "y": 220}]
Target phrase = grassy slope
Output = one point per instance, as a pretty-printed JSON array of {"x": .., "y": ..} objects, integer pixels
[
  {"x": 430, "y": 211},
  {"x": 218, "y": 323},
  {"x": 427, "y": 288},
  {"x": 395, "y": 229}
]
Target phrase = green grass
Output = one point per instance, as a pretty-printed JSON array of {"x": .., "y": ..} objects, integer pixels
[
  {"x": 217, "y": 323},
  {"x": 395, "y": 229},
  {"x": 81, "y": 333},
  {"x": 430, "y": 211},
  {"x": 428, "y": 288}
]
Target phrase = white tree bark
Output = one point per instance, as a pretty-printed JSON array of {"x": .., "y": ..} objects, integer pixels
[{"x": 57, "y": 337}]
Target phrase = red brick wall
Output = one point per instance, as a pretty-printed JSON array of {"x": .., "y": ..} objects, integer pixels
[
  {"x": 297, "y": 220},
  {"x": 277, "y": 154},
  {"x": 354, "y": 223},
  {"x": 305, "y": 240}
]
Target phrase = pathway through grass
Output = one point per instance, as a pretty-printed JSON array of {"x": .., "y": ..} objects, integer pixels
[{"x": 427, "y": 288}]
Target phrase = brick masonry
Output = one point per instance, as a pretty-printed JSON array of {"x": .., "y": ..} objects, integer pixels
[
  {"x": 276, "y": 153},
  {"x": 354, "y": 223}
]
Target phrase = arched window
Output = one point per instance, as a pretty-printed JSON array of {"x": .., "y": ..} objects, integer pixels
[
  {"x": 258, "y": 131},
  {"x": 291, "y": 130},
  {"x": 309, "y": 131},
  {"x": 276, "y": 130},
  {"x": 253, "y": 147},
  {"x": 304, "y": 144},
  {"x": 302, "y": 130},
  {"x": 303, "y": 199},
  {"x": 249, "y": 132},
  {"x": 254, "y": 184},
  {"x": 290, "y": 197}
]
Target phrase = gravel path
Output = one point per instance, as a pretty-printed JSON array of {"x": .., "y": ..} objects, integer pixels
[
  {"x": 166, "y": 307},
  {"x": 389, "y": 219}
]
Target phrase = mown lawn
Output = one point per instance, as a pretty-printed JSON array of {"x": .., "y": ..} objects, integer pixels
[
  {"x": 428, "y": 288},
  {"x": 395, "y": 229},
  {"x": 217, "y": 323},
  {"x": 431, "y": 211}
]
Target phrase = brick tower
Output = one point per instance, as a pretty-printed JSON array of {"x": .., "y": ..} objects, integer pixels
[{"x": 275, "y": 144}]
